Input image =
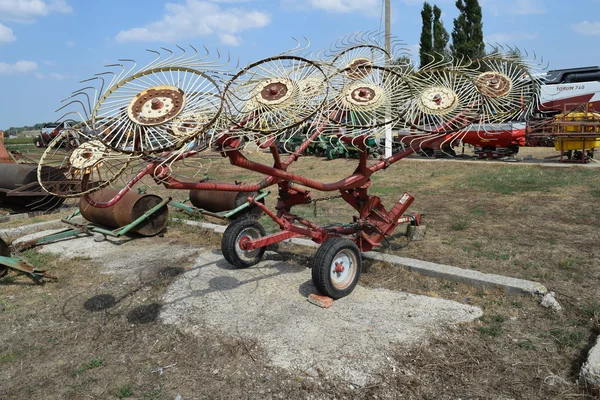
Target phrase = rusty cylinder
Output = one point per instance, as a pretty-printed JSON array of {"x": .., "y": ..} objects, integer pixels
[
  {"x": 129, "y": 208},
  {"x": 218, "y": 201},
  {"x": 15, "y": 176}
]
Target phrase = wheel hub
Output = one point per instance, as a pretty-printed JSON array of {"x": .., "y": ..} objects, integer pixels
[
  {"x": 341, "y": 269},
  {"x": 363, "y": 96},
  {"x": 88, "y": 155},
  {"x": 438, "y": 100},
  {"x": 156, "y": 105},
  {"x": 274, "y": 91},
  {"x": 493, "y": 84},
  {"x": 358, "y": 68}
]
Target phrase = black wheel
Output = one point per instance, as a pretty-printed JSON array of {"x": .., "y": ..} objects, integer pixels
[
  {"x": 336, "y": 268},
  {"x": 238, "y": 231}
]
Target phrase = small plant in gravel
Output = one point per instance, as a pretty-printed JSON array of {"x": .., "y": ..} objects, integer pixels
[
  {"x": 527, "y": 345},
  {"x": 591, "y": 309},
  {"x": 93, "y": 363},
  {"x": 153, "y": 395},
  {"x": 8, "y": 357},
  {"x": 493, "y": 331},
  {"x": 124, "y": 392},
  {"x": 567, "y": 263},
  {"x": 460, "y": 224},
  {"x": 499, "y": 318},
  {"x": 564, "y": 338},
  {"x": 40, "y": 260}
]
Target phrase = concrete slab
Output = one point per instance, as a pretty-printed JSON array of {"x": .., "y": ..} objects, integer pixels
[
  {"x": 351, "y": 340},
  {"x": 125, "y": 256},
  {"x": 12, "y": 233},
  {"x": 268, "y": 303},
  {"x": 469, "y": 277}
]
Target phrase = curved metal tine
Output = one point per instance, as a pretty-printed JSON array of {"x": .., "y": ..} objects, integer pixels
[
  {"x": 81, "y": 92},
  {"x": 116, "y": 78},
  {"x": 153, "y": 62},
  {"x": 96, "y": 93},
  {"x": 130, "y": 61},
  {"x": 106, "y": 73},
  {"x": 177, "y": 60},
  {"x": 165, "y": 61},
  {"x": 213, "y": 63},
  {"x": 188, "y": 61},
  {"x": 83, "y": 120},
  {"x": 292, "y": 50}
]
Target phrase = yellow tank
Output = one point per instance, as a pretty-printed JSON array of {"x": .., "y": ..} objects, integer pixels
[{"x": 577, "y": 143}]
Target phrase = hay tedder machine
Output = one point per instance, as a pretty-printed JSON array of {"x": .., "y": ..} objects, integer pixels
[{"x": 145, "y": 123}]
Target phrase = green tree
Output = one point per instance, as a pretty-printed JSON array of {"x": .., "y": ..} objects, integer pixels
[
  {"x": 440, "y": 35},
  {"x": 426, "y": 43},
  {"x": 467, "y": 36}
]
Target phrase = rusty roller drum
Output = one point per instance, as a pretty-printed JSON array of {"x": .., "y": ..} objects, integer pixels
[
  {"x": 218, "y": 201},
  {"x": 15, "y": 176},
  {"x": 125, "y": 211}
]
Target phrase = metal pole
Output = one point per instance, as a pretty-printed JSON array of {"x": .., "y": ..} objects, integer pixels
[{"x": 388, "y": 34}]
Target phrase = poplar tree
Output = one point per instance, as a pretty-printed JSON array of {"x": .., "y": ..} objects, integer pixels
[
  {"x": 426, "y": 43},
  {"x": 440, "y": 35},
  {"x": 467, "y": 36}
]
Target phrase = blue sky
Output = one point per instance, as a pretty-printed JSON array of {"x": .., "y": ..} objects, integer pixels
[{"x": 48, "y": 46}]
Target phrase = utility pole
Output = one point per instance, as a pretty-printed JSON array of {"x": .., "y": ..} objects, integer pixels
[{"x": 388, "y": 34}]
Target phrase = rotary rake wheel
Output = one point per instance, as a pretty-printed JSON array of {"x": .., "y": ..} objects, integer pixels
[
  {"x": 357, "y": 61},
  {"x": 275, "y": 94},
  {"x": 75, "y": 164},
  {"x": 367, "y": 97},
  {"x": 507, "y": 86},
  {"x": 443, "y": 100},
  {"x": 157, "y": 109}
]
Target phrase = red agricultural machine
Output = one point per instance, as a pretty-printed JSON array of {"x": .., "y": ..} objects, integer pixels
[{"x": 151, "y": 120}]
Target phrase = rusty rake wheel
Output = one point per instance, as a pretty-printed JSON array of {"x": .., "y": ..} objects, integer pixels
[
  {"x": 356, "y": 61},
  {"x": 443, "y": 100},
  {"x": 76, "y": 163},
  {"x": 509, "y": 90},
  {"x": 367, "y": 97},
  {"x": 275, "y": 94},
  {"x": 157, "y": 109}
]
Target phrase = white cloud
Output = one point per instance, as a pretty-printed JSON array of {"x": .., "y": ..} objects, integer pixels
[
  {"x": 346, "y": 6},
  {"x": 52, "y": 75},
  {"x": 587, "y": 28},
  {"x": 27, "y": 11},
  {"x": 196, "y": 18},
  {"x": 20, "y": 67},
  {"x": 69, "y": 43},
  {"x": 6, "y": 34},
  {"x": 508, "y": 38},
  {"x": 518, "y": 7}
]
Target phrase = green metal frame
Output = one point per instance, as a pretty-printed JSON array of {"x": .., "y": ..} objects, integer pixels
[{"x": 223, "y": 214}]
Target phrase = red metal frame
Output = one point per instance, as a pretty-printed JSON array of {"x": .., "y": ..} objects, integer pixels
[{"x": 368, "y": 229}]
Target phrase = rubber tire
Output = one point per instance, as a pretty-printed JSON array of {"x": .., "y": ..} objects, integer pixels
[
  {"x": 325, "y": 256},
  {"x": 229, "y": 242}
]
